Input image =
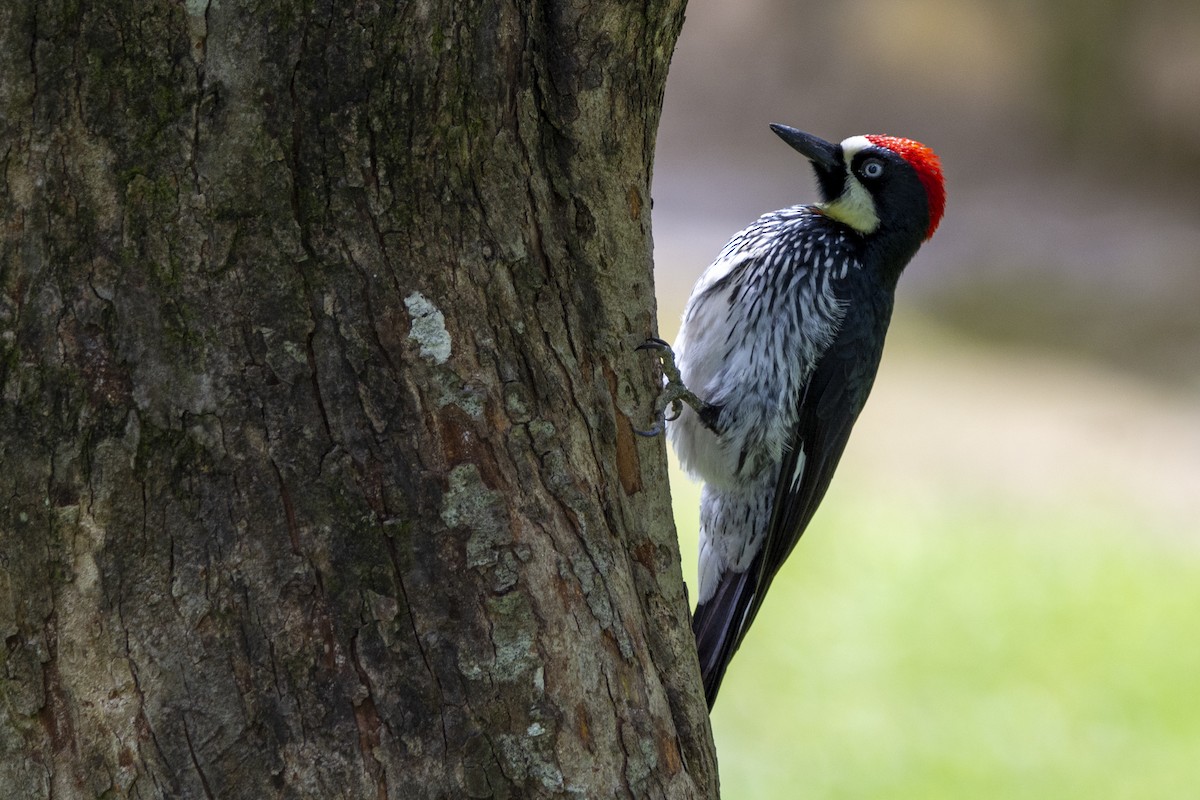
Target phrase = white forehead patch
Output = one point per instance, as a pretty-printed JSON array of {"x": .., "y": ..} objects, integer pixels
[
  {"x": 854, "y": 145},
  {"x": 855, "y": 207}
]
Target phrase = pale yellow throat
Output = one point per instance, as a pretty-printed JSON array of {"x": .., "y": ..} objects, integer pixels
[{"x": 855, "y": 207}]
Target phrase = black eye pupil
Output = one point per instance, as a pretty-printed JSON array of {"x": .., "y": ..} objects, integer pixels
[{"x": 872, "y": 169}]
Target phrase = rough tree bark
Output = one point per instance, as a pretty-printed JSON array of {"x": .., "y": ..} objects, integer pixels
[{"x": 317, "y": 396}]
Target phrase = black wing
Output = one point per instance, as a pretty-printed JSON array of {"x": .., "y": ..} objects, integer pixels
[{"x": 829, "y": 406}]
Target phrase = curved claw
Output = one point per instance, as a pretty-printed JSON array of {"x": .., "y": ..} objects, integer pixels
[
  {"x": 660, "y": 425},
  {"x": 653, "y": 343},
  {"x": 655, "y": 430}
]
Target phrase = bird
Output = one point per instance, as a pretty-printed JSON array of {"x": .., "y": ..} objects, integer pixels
[{"x": 776, "y": 355}]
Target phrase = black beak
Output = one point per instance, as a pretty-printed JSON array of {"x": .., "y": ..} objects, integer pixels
[{"x": 824, "y": 155}]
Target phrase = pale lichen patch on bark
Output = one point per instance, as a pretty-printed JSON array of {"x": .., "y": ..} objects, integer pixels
[{"x": 428, "y": 328}]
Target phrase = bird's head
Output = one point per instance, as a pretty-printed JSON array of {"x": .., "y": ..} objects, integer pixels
[{"x": 869, "y": 182}]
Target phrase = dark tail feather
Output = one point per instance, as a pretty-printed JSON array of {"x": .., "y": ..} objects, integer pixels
[{"x": 719, "y": 625}]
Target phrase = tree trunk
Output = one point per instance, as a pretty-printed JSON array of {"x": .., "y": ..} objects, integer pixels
[{"x": 317, "y": 398}]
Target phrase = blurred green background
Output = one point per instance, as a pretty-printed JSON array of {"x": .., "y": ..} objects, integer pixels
[{"x": 1000, "y": 596}]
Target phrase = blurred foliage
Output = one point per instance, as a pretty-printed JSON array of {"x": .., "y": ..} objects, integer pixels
[
  {"x": 968, "y": 647},
  {"x": 1066, "y": 79},
  {"x": 990, "y": 602}
]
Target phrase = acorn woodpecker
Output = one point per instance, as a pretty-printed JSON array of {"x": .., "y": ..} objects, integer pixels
[{"x": 775, "y": 358}]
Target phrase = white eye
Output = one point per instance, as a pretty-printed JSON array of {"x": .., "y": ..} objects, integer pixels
[{"x": 872, "y": 168}]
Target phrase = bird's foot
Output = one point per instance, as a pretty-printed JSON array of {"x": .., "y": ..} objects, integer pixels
[{"x": 675, "y": 393}]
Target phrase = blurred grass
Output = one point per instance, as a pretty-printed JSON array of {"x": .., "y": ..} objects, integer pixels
[{"x": 965, "y": 646}]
